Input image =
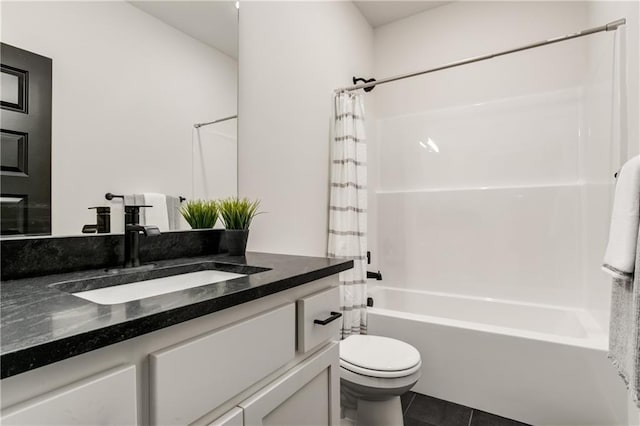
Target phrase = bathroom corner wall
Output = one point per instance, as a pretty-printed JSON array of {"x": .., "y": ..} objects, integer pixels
[
  {"x": 127, "y": 89},
  {"x": 292, "y": 56}
]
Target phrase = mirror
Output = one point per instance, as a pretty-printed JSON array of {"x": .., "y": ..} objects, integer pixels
[{"x": 128, "y": 82}]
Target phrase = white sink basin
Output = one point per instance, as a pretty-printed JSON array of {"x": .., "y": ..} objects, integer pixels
[{"x": 155, "y": 287}]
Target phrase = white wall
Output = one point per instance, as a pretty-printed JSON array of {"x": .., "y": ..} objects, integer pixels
[
  {"x": 492, "y": 208},
  {"x": 461, "y": 30},
  {"x": 215, "y": 156},
  {"x": 292, "y": 55},
  {"x": 127, "y": 90}
]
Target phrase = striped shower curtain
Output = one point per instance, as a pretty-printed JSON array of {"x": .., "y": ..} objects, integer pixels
[{"x": 348, "y": 208}]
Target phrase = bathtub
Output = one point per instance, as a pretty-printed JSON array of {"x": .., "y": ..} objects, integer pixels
[{"x": 539, "y": 364}]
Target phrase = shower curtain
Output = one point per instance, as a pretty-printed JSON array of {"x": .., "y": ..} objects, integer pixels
[{"x": 348, "y": 208}]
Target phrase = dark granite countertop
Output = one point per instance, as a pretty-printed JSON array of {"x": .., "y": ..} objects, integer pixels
[{"x": 42, "y": 324}]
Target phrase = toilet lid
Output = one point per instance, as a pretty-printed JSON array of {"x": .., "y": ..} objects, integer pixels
[{"x": 378, "y": 353}]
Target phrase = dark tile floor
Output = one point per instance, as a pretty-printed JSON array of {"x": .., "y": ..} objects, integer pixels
[{"x": 423, "y": 410}]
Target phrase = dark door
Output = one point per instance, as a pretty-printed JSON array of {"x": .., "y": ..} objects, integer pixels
[{"x": 25, "y": 154}]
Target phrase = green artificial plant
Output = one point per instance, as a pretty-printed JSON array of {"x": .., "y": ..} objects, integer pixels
[
  {"x": 237, "y": 213},
  {"x": 200, "y": 214}
]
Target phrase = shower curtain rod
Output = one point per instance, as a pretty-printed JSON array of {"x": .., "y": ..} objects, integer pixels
[
  {"x": 231, "y": 117},
  {"x": 611, "y": 26}
]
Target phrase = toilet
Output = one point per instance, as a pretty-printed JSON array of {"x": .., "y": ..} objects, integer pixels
[{"x": 374, "y": 372}]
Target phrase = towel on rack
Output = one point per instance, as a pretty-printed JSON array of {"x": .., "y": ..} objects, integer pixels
[
  {"x": 622, "y": 261},
  {"x": 136, "y": 200},
  {"x": 173, "y": 212},
  {"x": 624, "y": 329},
  {"x": 620, "y": 256},
  {"x": 139, "y": 201},
  {"x": 156, "y": 215}
]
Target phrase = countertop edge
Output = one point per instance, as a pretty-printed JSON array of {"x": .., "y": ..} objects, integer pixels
[{"x": 23, "y": 360}]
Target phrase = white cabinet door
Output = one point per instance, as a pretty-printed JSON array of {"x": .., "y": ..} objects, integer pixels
[
  {"x": 191, "y": 378},
  {"x": 308, "y": 394},
  {"x": 108, "y": 398}
]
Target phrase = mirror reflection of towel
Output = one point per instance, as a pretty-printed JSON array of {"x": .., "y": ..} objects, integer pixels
[
  {"x": 173, "y": 212},
  {"x": 169, "y": 204},
  {"x": 158, "y": 214},
  {"x": 136, "y": 200}
]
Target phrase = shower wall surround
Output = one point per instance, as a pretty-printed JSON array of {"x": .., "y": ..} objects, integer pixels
[
  {"x": 480, "y": 165},
  {"x": 494, "y": 180}
]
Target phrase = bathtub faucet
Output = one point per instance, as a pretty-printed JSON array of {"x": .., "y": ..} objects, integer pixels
[{"x": 377, "y": 276}]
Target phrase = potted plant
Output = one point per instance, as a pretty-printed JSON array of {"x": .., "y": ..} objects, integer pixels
[
  {"x": 236, "y": 215},
  {"x": 200, "y": 214}
]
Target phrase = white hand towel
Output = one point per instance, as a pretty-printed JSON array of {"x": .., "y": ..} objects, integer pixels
[
  {"x": 620, "y": 257},
  {"x": 156, "y": 215},
  {"x": 136, "y": 200},
  {"x": 173, "y": 212},
  {"x": 139, "y": 201}
]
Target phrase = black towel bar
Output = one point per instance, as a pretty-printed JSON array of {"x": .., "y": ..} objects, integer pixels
[{"x": 109, "y": 196}]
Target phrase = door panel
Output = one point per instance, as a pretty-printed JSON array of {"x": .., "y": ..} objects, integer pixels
[
  {"x": 308, "y": 394},
  {"x": 218, "y": 375},
  {"x": 305, "y": 407},
  {"x": 107, "y": 399},
  {"x": 25, "y": 153}
]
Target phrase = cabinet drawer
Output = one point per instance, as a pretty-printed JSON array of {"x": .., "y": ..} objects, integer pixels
[
  {"x": 108, "y": 398},
  {"x": 192, "y": 378},
  {"x": 318, "y": 306}
]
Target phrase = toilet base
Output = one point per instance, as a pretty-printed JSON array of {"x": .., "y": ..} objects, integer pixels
[
  {"x": 373, "y": 406},
  {"x": 380, "y": 413}
]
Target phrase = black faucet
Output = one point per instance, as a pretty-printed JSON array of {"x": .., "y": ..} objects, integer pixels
[
  {"x": 132, "y": 230},
  {"x": 103, "y": 221}
]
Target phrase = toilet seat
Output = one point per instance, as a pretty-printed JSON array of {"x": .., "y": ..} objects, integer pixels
[
  {"x": 380, "y": 373},
  {"x": 377, "y": 356}
]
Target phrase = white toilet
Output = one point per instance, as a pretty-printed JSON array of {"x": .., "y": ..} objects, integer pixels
[{"x": 374, "y": 372}]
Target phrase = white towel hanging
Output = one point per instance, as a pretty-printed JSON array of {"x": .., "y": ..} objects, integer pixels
[
  {"x": 620, "y": 257},
  {"x": 158, "y": 214}
]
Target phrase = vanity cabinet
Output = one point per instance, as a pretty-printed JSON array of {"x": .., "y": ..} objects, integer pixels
[
  {"x": 263, "y": 362},
  {"x": 192, "y": 378},
  {"x": 108, "y": 398}
]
